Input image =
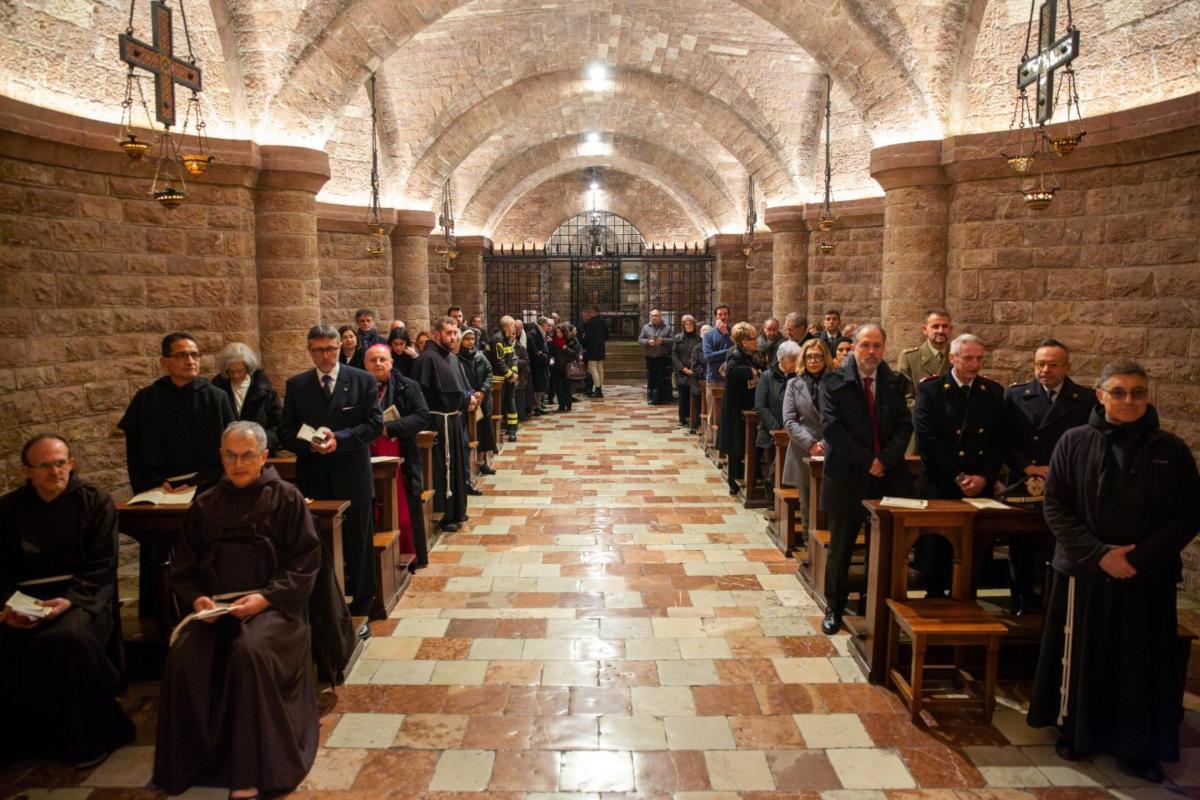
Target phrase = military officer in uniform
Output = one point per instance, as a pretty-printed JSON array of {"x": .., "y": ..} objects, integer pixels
[
  {"x": 503, "y": 357},
  {"x": 931, "y": 358},
  {"x": 1038, "y": 413},
  {"x": 959, "y": 420}
]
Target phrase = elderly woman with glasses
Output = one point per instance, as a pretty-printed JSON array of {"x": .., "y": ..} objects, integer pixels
[
  {"x": 768, "y": 404},
  {"x": 802, "y": 418},
  {"x": 250, "y": 393}
]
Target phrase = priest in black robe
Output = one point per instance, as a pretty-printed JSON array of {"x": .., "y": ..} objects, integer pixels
[
  {"x": 58, "y": 543},
  {"x": 173, "y": 429},
  {"x": 449, "y": 396},
  {"x": 1120, "y": 500},
  {"x": 239, "y": 702}
]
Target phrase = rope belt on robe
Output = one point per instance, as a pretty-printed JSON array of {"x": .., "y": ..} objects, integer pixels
[
  {"x": 446, "y": 415},
  {"x": 1068, "y": 633}
]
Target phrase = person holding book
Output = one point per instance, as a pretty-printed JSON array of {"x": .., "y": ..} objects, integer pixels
[
  {"x": 173, "y": 433},
  {"x": 58, "y": 553},
  {"x": 239, "y": 703}
]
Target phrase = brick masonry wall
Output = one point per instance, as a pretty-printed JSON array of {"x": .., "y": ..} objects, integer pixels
[
  {"x": 352, "y": 278},
  {"x": 847, "y": 279},
  {"x": 92, "y": 274}
]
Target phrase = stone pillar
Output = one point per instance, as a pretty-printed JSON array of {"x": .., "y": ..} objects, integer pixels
[
  {"x": 789, "y": 260},
  {"x": 468, "y": 282},
  {"x": 285, "y": 240},
  {"x": 731, "y": 280},
  {"x": 916, "y": 211},
  {"x": 410, "y": 267}
]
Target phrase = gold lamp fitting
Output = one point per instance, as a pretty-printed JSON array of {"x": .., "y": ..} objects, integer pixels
[
  {"x": 170, "y": 197},
  {"x": 825, "y": 223},
  {"x": 1019, "y": 163},
  {"x": 826, "y": 248},
  {"x": 133, "y": 148},
  {"x": 1038, "y": 199},
  {"x": 195, "y": 163},
  {"x": 1065, "y": 145}
]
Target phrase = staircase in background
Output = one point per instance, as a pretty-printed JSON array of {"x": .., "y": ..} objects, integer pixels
[{"x": 624, "y": 362}]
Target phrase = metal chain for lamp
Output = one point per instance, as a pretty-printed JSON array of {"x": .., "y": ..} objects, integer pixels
[
  {"x": 749, "y": 245},
  {"x": 377, "y": 238},
  {"x": 827, "y": 220}
]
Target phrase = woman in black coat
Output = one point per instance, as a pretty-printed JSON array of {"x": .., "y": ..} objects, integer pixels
[
  {"x": 741, "y": 379},
  {"x": 479, "y": 375},
  {"x": 250, "y": 393},
  {"x": 403, "y": 352},
  {"x": 564, "y": 349},
  {"x": 768, "y": 403},
  {"x": 352, "y": 351},
  {"x": 687, "y": 380}
]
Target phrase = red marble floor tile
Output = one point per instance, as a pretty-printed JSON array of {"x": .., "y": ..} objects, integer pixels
[
  {"x": 356, "y": 697},
  {"x": 385, "y": 770},
  {"x": 328, "y": 723},
  {"x": 383, "y": 627},
  {"x": 413, "y": 699},
  {"x": 420, "y": 583},
  {"x": 475, "y": 699},
  {"x": 1084, "y": 792},
  {"x": 663, "y": 569},
  {"x": 540, "y": 701},
  {"x": 807, "y": 646},
  {"x": 857, "y": 698},
  {"x": 601, "y": 700},
  {"x": 521, "y": 629},
  {"x": 565, "y": 733},
  {"x": 649, "y": 583},
  {"x": 776, "y": 732},
  {"x": 525, "y": 771},
  {"x": 694, "y": 583},
  {"x": 787, "y": 698},
  {"x": 580, "y": 600},
  {"x": 628, "y": 673},
  {"x": 443, "y": 649},
  {"x": 498, "y": 732},
  {"x": 802, "y": 771},
  {"x": 666, "y": 598},
  {"x": 623, "y": 570},
  {"x": 124, "y": 793},
  {"x": 472, "y": 629},
  {"x": 670, "y": 771},
  {"x": 431, "y": 731},
  {"x": 755, "y": 647},
  {"x": 725, "y": 701},
  {"x": 939, "y": 767},
  {"x": 513, "y": 673},
  {"x": 445, "y": 557},
  {"x": 896, "y": 730},
  {"x": 746, "y": 670},
  {"x": 730, "y": 583}
]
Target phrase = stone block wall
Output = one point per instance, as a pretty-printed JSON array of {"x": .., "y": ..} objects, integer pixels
[
  {"x": 92, "y": 274},
  {"x": 352, "y": 278},
  {"x": 847, "y": 279}
]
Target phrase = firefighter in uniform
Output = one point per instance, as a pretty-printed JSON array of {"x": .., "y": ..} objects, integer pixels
[{"x": 503, "y": 357}]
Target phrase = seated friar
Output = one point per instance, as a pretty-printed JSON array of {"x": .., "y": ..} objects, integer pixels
[
  {"x": 239, "y": 701},
  {"x": 58, "y": 555}
]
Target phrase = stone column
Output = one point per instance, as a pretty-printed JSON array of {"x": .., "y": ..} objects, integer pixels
[
  {"x": 467, "y": 282},
  {"x": 732, "y": 281},
  {"x": 916, "y": 211},
  {"x": 285, "y": 240},
  {"x": 789, "y": 260},
  {"x": 410, "y": 267}
]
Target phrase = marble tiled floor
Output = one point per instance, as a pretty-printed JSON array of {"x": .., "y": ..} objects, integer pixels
[{"x": 612, "y": 625}]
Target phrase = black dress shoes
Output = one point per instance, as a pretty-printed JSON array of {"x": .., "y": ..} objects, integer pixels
[
  {"x": 1149, "y": 770},
  {"x": 1064, "y": 748},
  {"x": 832, "y": 622},
  {"x": 471, "y": 490},
  {"x": 449, "y": 527},
  {"x": 484, "y": 469}
]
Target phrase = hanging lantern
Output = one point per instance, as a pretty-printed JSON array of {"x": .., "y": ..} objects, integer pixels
[
  {"x": 169, "y": 188},
  {"x": 376, "y": 231},
  {"x": 827, "y": 220},
  {"x": 749, "y": 245},
  {"x": 128, "y": 141}
]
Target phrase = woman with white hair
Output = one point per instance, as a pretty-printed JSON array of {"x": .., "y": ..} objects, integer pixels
[
  {"x": 250, "y": 393},
  {"x": 768, "y": 404}
]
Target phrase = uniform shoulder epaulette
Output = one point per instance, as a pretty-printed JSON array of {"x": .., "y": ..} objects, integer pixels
[
  {"x": 984, "y": 380},
  {"x": 910, "y": 350},
  {"x": 929, "y": 378}
]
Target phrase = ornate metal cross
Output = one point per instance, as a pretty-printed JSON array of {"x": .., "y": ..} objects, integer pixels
[
  {"x": 160, "y": 59},
  {"x": 1050, "y": 56}
]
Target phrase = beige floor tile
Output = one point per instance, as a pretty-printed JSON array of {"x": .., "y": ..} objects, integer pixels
[
  {"x": 421, "y": 628},
  {"x": 458, "y": 673},
  {"x": 619, "y": 628},
  {"x": 127, "y": 767},
  {"x": 573, "y": 629},
  {"x": 463, "y": 771},
  {"x": 547, "y": 650},
  {"x": 403, "y": 672},
  {"x": 869, "y": 768},
  {"x": 805, "y": 670},
  {"x": 632, "y": 733},
  {"x": 651, "y": 649},
  {"x": 704, "y": 648},
  {"x": 832, "y": 730},
  {"x": 666, "y": 628},
  {"x": 571, "y": 673},
  {"x": 1013, "y": 777},
  {"x": 596, "y": 771},
  {"x": 699, "y": 733},
  {"x": 391, "y": 648},
  {"x": 740, "y": 770},
  {"x": 365, "y": 730},
  {"x": 496, "y": 650},
  {"x": 693, "y": 672},
  {"x": 334, "y": 769},
  {"x": 662, "y": 701}
]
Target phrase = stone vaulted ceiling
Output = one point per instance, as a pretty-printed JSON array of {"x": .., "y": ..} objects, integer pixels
[{"x": 496, "y": 95}]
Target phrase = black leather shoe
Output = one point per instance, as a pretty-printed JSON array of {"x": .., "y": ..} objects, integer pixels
[
  {"x": 832, "y": 623},
  {"x": 484, "y": 469},
  {"x": 471, "y": 490},
  {"x": 599, "y": 393},
  {"x": 449, "y": 527},
  {"x": 1150, "y": 770},
  {"x": 512, "y": 436},
  {"x": 1064, "y": 748}
]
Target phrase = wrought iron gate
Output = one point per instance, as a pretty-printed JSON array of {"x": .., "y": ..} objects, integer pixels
[
  {"x": 679, "y": 282},
  {"x": 517, "y": 283}
]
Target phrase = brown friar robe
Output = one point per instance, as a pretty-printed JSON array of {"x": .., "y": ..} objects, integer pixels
[{"x": 239, "y": 703}]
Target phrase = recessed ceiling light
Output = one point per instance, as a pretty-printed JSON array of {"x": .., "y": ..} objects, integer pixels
[
  {"x": 592, "y": 138},
  {"x": 597, "y": 72},
  {"x": 594, "y": 186}
]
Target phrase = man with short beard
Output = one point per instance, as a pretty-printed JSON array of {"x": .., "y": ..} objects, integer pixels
[{"x": 932, "y": 357}]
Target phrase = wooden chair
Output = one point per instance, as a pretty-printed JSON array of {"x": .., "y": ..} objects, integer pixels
[{"x": 425, "y": 440}]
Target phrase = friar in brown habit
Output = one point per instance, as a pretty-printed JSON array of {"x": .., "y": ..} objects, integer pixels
[{"x": 239, "y": 703}]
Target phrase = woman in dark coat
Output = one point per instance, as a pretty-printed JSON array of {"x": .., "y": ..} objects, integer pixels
[
  {"x": 564, "y": 349},
  {"x": 250, "y": 392},
  {"x": 479, "y": 376},
  {"x": 768, "y": 403},
  {"x": 687, "y": 379},
  {"x": 403, "y": 352},
  {"x": 352, "y": 351},
  {"x": 741, "y": 379}
]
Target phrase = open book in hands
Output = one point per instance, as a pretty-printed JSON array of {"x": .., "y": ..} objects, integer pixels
[
  {"x": 159, "y": 497},
  {"x": 317, "y": 436}
]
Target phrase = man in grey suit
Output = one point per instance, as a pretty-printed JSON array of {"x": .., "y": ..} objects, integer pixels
[{"x": 337, "y": 466}]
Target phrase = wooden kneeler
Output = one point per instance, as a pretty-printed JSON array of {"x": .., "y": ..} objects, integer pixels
[
  {"x": 425, "y": 440},
  {"x": 391, "y": 573}
]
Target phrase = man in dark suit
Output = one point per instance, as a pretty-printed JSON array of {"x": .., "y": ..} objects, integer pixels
[
  {"x": 595, "y": 343},
  {"x": 1038, "y": 413},
  {"x": 832, "y": 330},
  {"x": 960, "y": 425},
  {"x": 867, "y": 427},
  {"x": 338, "y": 466},
  {"x": 539, "y": 363}
]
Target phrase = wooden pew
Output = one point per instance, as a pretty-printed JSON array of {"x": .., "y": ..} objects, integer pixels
[
  {"x": 473, "y": 444},
  {"x": 787, "y": 501},
  {"x": 703, "y": 421},
  {"x": 711, "y": 443},
  {"x": 497, "y": 412},
  {"x": 751, "y": 494},
  {"x": 392, "y": 575},
  {"x": 693, "y": 406},
  {"x": 425, "y": 440}
]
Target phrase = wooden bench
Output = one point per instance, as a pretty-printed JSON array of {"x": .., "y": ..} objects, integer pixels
[
  {"x": 391, "y": 573},
  {"x": 752, "y": 494},
  {"x": 943, "y": 622},
  {"x": 812, "y": 568},
  {"x": 497, "y": 411},
  {"x": 782, "y": 528},
  {"x": 711, "y": 441},
  {"x": 703, "y": 421},
  {"x": 425, "y": 440}
]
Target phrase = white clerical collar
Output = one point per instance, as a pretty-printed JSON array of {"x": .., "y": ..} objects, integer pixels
[{"x": 333, "y": 373}]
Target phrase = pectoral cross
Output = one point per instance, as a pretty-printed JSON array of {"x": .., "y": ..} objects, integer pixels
[
  {"x": 1050, "y": 56},
  {"x": 160, "y": 59}
]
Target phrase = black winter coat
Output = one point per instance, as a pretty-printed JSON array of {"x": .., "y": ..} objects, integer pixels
[
  {"x": 262, "y": 405},
  {"x": 739, "y": 397}
]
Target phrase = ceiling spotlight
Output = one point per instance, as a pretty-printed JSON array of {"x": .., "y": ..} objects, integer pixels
[
  {"x": 592, "y": 138},
  {"x": 594, "y": 186},
  {"x": 597, "y": 72}
]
